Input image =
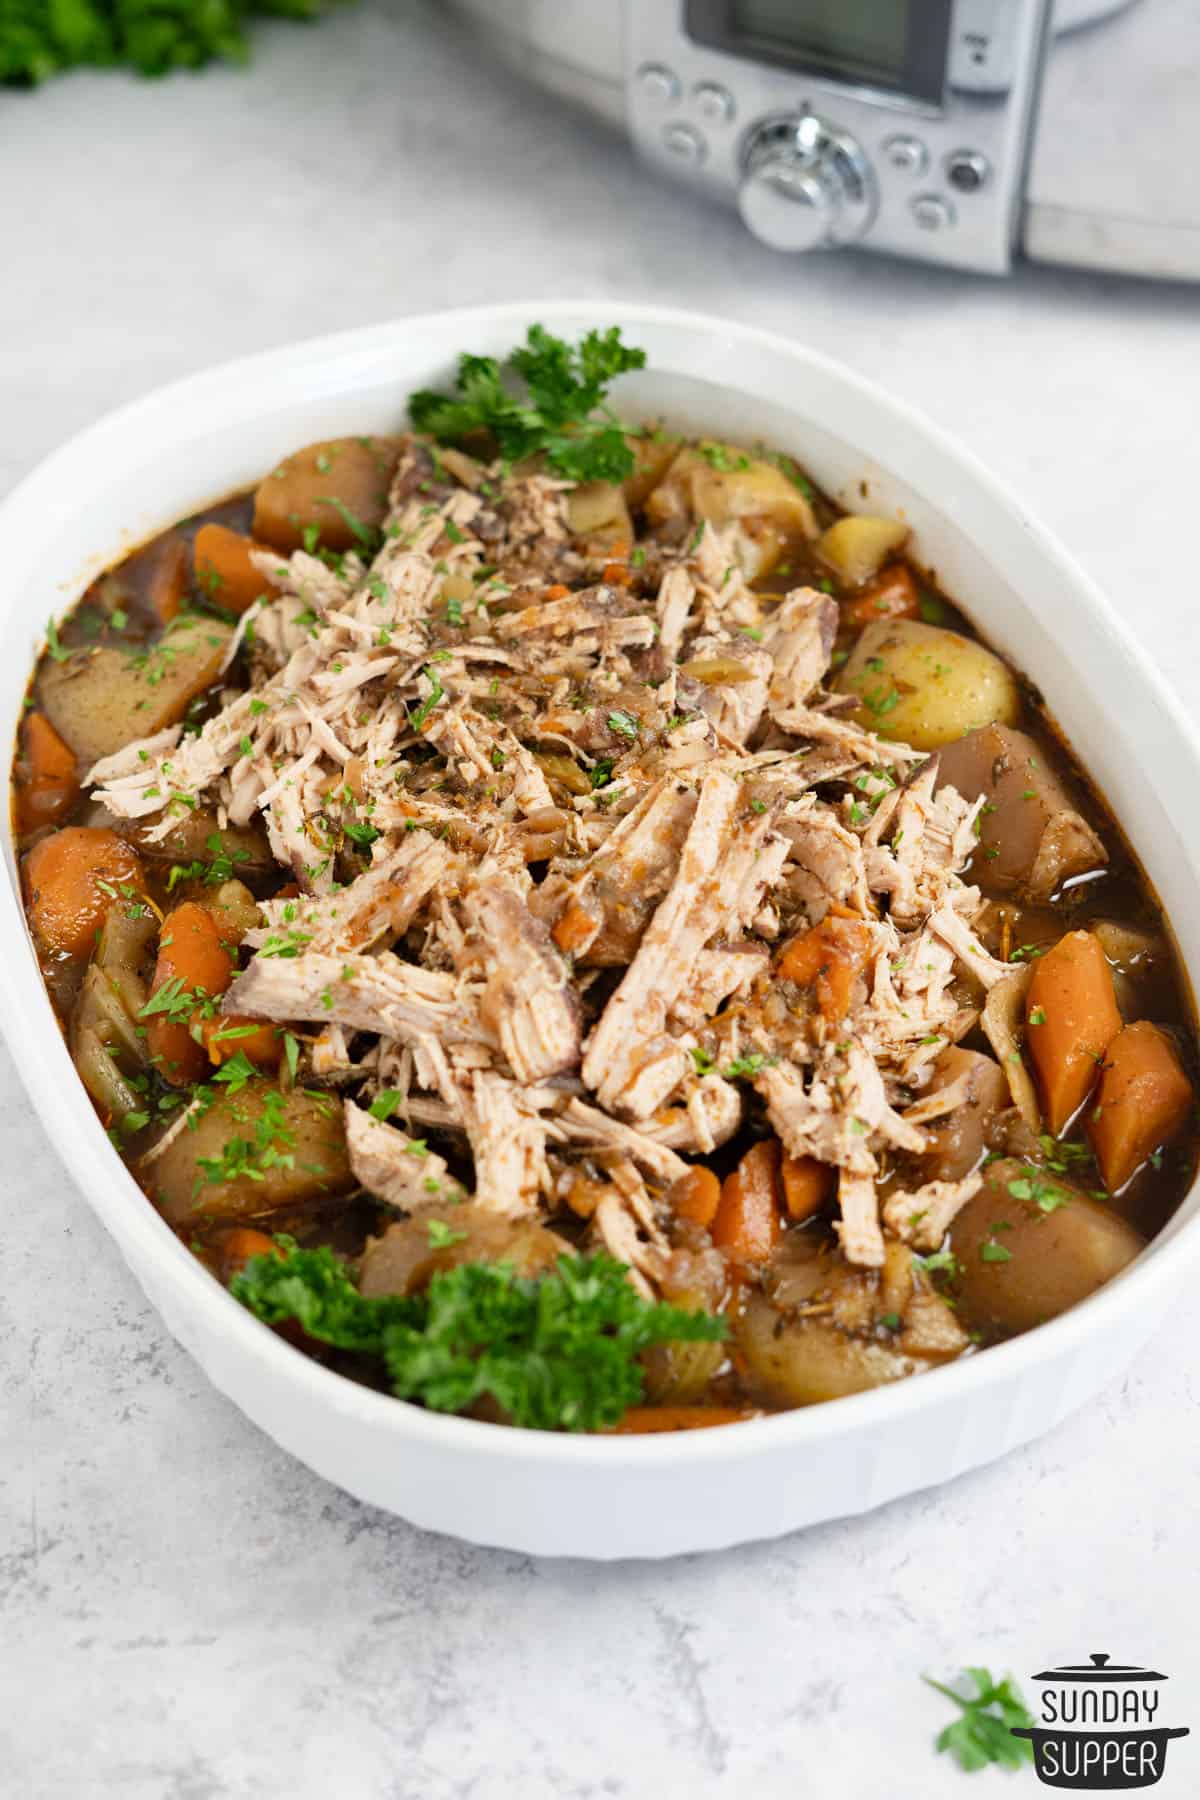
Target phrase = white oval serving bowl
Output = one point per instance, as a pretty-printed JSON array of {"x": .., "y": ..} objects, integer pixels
[{"x": 140, "y": 469}]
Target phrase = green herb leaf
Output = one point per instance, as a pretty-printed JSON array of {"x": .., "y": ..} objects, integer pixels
[
  {"x": 558, "y": 1353},
  {"x": 984, "y": 1733},
  {"x": 564, "y": 386}
]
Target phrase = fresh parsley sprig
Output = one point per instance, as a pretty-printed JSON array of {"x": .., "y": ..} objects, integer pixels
[
  {"x": 565, "y": 386},
  {"x": 983, "y": 1734},
  {"x": 555, "y": 1353}
]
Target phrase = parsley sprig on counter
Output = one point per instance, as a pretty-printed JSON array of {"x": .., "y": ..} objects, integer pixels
[
  {"x": 40, "y": 38},
  {"x": 565, "y": 386},
  {"x": 983, "y": 1734},
  {"x": 555, "y": 1353}
]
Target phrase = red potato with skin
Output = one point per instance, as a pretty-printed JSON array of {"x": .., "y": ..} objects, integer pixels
[
  {"x": 1071, "y": 1018},
  {"x": 1143, "y": 1101}
]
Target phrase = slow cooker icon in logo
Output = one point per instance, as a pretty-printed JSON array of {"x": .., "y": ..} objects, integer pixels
[{"x": 1099, "y": 1726}]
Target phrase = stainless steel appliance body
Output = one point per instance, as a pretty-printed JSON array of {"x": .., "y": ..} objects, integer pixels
[{"x": 951, "y": 131}]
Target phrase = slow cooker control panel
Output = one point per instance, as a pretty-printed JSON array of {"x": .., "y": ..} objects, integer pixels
[{"x": 814, "y": 163}]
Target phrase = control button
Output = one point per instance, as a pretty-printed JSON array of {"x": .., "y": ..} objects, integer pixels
[
  {"x": 967, "y": 170},
  {"x": 931, "y": 212},
  {"x": 907, "y": 154},
  {"x": 713, "y": 102},
  {"x": 657, "y": 82},
  {"x": 685, "y": 144}
]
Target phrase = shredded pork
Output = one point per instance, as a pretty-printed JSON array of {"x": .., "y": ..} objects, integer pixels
[{"x": 547, "y": 824}]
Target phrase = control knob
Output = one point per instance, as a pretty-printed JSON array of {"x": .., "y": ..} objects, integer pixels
[{"x": 805, "y": 185}]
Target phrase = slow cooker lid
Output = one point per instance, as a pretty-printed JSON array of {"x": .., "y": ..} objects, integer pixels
[{"x": 1099, "y": 1669}]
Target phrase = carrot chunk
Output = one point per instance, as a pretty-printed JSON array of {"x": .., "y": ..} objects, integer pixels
[
  {"x": 224, "y": 569},
  {"x": 828, "y": 958},
  {"x": 746, "y": 1227},
  {"x": 71, "y": 879},
  {"x": 166, "y": 572},
  {"x": 1143, "y": 1100},
  {"x": 258, "y": 1040},
  {"x": 574, "y": 929},
  {"x": 1071, "y": 1017},
  {"x": 641, "y": 1419},
  {"x": 696, "y": 1196},
  {"x": 47, "y": 778},
  {"x": 193, "y": 966},
  {"x": 892, "y": 595},
  {"x": 807, "y": 1184},
  {"x": 235, "y": 1246}
]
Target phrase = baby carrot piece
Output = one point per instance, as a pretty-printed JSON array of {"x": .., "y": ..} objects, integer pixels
[
  {"x": 47, "y": 785},
  {"x": 236, "y": 1246},
  {"x": 224, "y": 569},
  {"x": 680, "y": 1418},
  {"x": 257, "y": 1039},
  {"x": 71, "y": 879},
  {"x": 193, "y": 967},
  {"x": 1144, "y": 1098},
  {"x": 695, "y": 1196},
  {"x": 892, "y": 595},
  {"x": 1071, "y": 1017},
  {"x": 828, "y": 958},
  {"x": 746, "y": 1226},
  {"x": 807, "y": 1184}
]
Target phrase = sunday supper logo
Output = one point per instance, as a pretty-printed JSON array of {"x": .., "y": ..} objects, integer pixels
[{"x": 1100, "y": 1726}]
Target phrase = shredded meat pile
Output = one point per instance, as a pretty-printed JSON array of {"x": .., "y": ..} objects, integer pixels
[{"x": 550, "y": 826}]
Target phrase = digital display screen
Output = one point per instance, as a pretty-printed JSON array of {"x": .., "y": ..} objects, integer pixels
[
  {"x": 897, "y": 45},
  {"x": 866, "y": 35}
]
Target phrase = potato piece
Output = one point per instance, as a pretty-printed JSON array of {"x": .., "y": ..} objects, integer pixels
[
  {"x": 100, "y": 699},
  {"x": 71, "y": 880},
  {"x": 330, "y": 487},
  {"x": 956, "y": 1143},
  {"x": 802, "y": 1361},
  {"x": 1031, "y": 839},
  {"x": 857, "y": 547},
  {"x": 723, "y": 484},
  {"x": 925, "y": 686},
  {"x": 1030, "y": 1245},
  {"x": 653, "y": 453},
  {"x": 596, "y": 510},
  {"x": 195, "y": 836},
  {"x": 294, "y": 1144},
  {"x": 1144, "y": 1100},
  {"x": 404, "y": 1260},
  {"x": 1071, "y": 1018}
]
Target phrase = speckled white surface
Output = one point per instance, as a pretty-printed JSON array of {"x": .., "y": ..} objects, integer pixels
[{"x": 184, "y": 1613}]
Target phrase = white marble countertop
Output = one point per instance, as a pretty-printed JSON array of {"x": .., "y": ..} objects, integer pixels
[{"x": 186, "y": 1614}]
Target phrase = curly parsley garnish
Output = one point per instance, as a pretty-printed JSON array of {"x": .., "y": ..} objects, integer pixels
[
  {"x": 565, "y": 384},
  {"x": 557, "y": 1353}
]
